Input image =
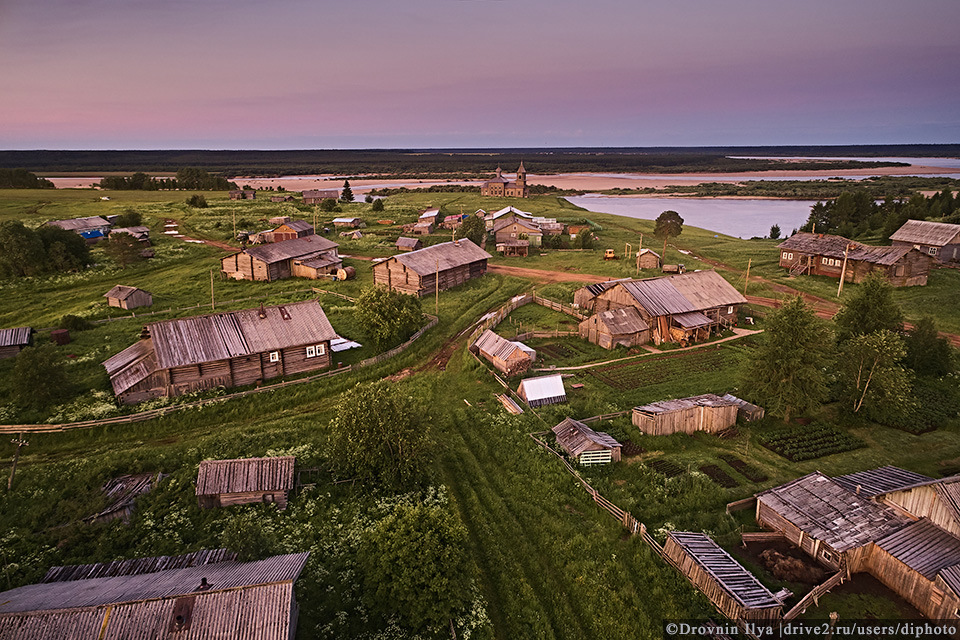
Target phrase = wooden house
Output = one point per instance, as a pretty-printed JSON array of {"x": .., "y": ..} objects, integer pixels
[
  {"x": 91, "y": 228},
  {"x": 616, "y": 327},
  {"x": 230, "y": 349},
  {"x": 441, "y": 266},
  {"x": 281, "y": 198},
  {"x": 290, "y": 230},
  {"x": 543, "y": 390},
  {"x": 512, "y": 358},
  {"x": 207, "y": 594},
  {"x": 491, "y": 219},
  {"x": 516, "y": 228},
  {"x": 939, "y": 240},
  {"x": 826, "y": 255},
  {"x": 584, "y": 298},
  {"x": 422, "y": 229},
  {"x": 12, "y": 341},
  {"x": 649, "y": 259},
  {"x": 409, "y": 244},
  {"x": 733, "y": 590},
  {"x": 745, "y": 411},
  {"x": 141, "y": 233},
  {"x": 351, "y": 223},
  {"x": 316, "y": 196},
  {"x": 514, "y": 248},
  {"x": 311, "y": 256},
  {"x": 707, "y": 412},
  {"x": 682, "y": 308},
  {"x": 454, "y": 221},
  {"x": 221, "y": 483},
  {"x": 576, "y": 229},
  {"x": 243, "y": 194},
  {"x": 499, "y": 186},
  {"x": 128, "y": 297},
  {"x": 586, "y": 446},
  {"x": 429, "y": 216}
]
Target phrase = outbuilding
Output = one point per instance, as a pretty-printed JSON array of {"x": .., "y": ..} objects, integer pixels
[
  {"x": 510, "y": 357},
  {"x": 316, "y": 196},
  {"x": 409, "y": 244},
  {"x": 537, "y": 392},
  {"x": 440, "y": 266},
  {"x": 707, "y": 412},
  {"x": 586, "y": 446},
  {"x": 351, "y": 223},
  {"x": 835, "y": 256},
  {"x": 125, "y": 297},
  {"x": 311, "y": 256},
  {"x": 616, "y": 327},
  {"x": 12, "y": 341},
  {"x": 222, "y": 483},
  {"x": 649, "y": 259},
  {"x": 939, "y": 240}
]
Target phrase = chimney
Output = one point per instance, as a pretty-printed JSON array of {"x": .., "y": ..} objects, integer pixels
[
  {"x": 263, "y": 312},
  {"x": 204, "y": 585},
  {"x": 858, "y": 490}
]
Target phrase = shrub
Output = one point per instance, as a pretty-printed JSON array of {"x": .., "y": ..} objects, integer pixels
[
  {"x": 71, "y": 322},
  {"x": 197, "y": 201}
]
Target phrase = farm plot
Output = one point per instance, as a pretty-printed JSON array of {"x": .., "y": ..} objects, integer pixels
[
  {"x": 749, "y": 472},
  {"x": 809, "y": 442},
  {"x": 666, "y": 468},
  {"x": 647, "y": 371},
  {"x": 564, "y": 352},
  {"x": 719, "y": 476}
]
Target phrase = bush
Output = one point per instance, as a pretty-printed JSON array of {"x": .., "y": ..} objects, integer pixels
[
  {"x": 197, "y": 201},
  {"x": 71, "y": 322},
  {"x": 131, "y": 218},
  {"x": 377, "y": 204}
]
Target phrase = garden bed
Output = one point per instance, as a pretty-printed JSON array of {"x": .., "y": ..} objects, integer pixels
[
  {"x": 719, "y": 476},
  {"x": 666, "y": 468},
  {"x": 809, "y": 442},
  {"x": 747, "y": 471},
  {"x": 647, "y": 371},
  {"x": 630, "y": 448}
]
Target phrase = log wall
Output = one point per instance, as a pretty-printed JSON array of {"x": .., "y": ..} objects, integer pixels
[{"x": 936, "y": 601}]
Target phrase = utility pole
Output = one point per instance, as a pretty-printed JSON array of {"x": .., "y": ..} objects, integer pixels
[
  {"x": 843, "y": 271},
  {"x": 746, "y": 280},
  {"x": 213, "y": 302},
  {"x": 436, "y": 303},
  {"x": 20, "y": 442},
  {"x": 234, "y": 224},
  {"x": 314, "y": 218},
  {"x": 639, "y": 249}
]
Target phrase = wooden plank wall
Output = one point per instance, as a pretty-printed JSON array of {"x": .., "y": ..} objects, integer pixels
[{"x": 932, "y": 600}]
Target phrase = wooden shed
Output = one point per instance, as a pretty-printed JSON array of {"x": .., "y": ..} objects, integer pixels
[
  {"x": 707, "y": 412},
  {"x": 444, "y": 266},
  {"x": 12, "y": 341},
  {"x": 351, "y": 223},
  {"x": 409, "y": 244},
  {"x": 649, "y": 259},
  {"x": 199, "y": 595},
  {"x": 221, "y": 483},
  {"x": 586, "y": 446},
  {"x": 316, "y": 196},
  {"x": 428, "y": 216},
  {"x": 243, "y": 194},
  {"x": 512, "y": 358},
  {"x": 179, "y": 356},
  {"x": 141, "y": 233},
  {"x": 584, "y": 298},
  {"x": 422, "y": 229},
  {"x": 939, "y": 240},
  {"x": 745, "y": 411},
  {"x": 290, "y": 230},
  {"x": 736, "y": 592},
  {"x": 616, "y": 327},
  {"x": 537, "y": 392},
  {"x": 128, "y": 297},
  {"x": 308, "y": 257},
  {"x": 514, "y": 248}
]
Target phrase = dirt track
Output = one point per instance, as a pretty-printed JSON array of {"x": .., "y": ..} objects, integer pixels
[{"x": 545, "y": 276}]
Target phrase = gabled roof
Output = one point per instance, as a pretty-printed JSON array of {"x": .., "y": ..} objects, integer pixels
[
  {"x": 923, "y": 232},
  {"x": 16, "y": 337},
  {"x": 542, "y": 388},
  {"x": 526, "y": 224},
  {"x": 321, "y": 193},
  {"x": 140, "y": 230},
  {"x": 449, "y": 254},
  {"x": 683, "y": 293},
  {"x": 408, "y": 242},
  {"x": 496, "y": 346},
  {"x": 732, "y": 577},
  {"x": 506, "y": 210},
  {"x": 923, "y": 546},
  {"x": 874, "y": 482},
  {"x": 122, "y": 292},
  {"x": 346, "y": 220},
  {"x": 243, "y": 475},
  {"x": 822, "y": 244},
  {"x": 576, "y": 437},
  {"x": 669, "y": 406},
  {"x": 429, "y": 213},
  {"x": 825, "y": 510},
  {"x": 297, "y": 225},
  {"x": 80, "y": 224},
  {"x": 137, "y": 566},
  {"x": 293, "y": 248},
  {"x": 623, "y": 320},
  {"x": 599, "y": 287}
]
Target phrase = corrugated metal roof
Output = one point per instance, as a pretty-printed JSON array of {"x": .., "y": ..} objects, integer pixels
[
  {"x": 624, "y": 320},
  {"x": 542, "y": 388},
  {"x": 93, "y": 592},
  {"x": 874, "y": 482},
  {"x": 297, "y": 225},
  {"x": 732, "y": 577},
  {"x": 15, "y": 337},
  {"x": 923, "y": 546},
  {"x": 576, "y": 437},
  {"x": 80, "y": 224},
  {"x": 248, "y": 474},
  {"x": 346, "y": 220},
  {"x": 121, "y": 292},
  {"x": 683, "y": 293},
  {"x": 826, "y": 511},
  {"x": 924, "y": 232},
  {"x": 506, "y": 210},
  {"x": 137, "y": 566},
  {"x": 449, "y": 254},
  {"x": 293, "y": 248}
]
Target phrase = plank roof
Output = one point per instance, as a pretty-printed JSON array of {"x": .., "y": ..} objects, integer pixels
[
  {"x": 293, "y": 248},
  {"x": 874, "y": 482},
  {"x": 122, "y": 292},
  {"x": 91, "y": 592},
  {"x": 449, "y": 254},
  {"x": 495, "y": 346},
  {"x": 827, "y": 511},
  {"x": 691, "y": 319},
  {"x": 622, "y": 320},
  {"x": 682, "y": 293},
  {"x": 137, "y": 566},
  {"x": 732, "y": 577},
  {"x": 831, "y": 246},
  {"x": 217, "y": 477},
  {"x": 15, "y": 337},
  {"x": 951, "y": 576},
  {"x": 599, "y": 287},
  {"x": 321, "y": 193},
  {"x": 130, "y": 366},
  {"x": 575, "y": 437},
  {"x": 408, "y": 242},
  {"x": 670, "y": 406},
  {"x": 923, "y": 546},
  {"x": 925, "y": 232}
]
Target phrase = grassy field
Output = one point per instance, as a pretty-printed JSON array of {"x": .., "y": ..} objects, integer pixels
[{"x": 549, "y": 562}]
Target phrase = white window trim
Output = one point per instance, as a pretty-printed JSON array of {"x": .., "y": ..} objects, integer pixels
[
  {"x": 311, "y": 351},
  {"x": 321, "y": 349},
  {"x": 729, "y": 310},
  {"x": 932, "y": 251},
  {"x": 274, "y": 356}
]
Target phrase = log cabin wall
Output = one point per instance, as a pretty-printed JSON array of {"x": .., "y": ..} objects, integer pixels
[
  {"x": 923, "y": 502},
  {"x": 823, "y": 553},
  {"x": 936, "y": 601}
]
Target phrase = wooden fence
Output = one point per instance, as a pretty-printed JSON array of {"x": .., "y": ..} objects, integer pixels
[
  {"x": 606, "y": 416},
  {"x": 156, "y": 413},
  {"x": 814, "y": 595},
  {"x": 557, "y": 306},
  {"x": 492, "y": 319},
  {"x": 545, "y": 334},
  {"x": 741, "y": 505},
  {"x": 761, "y": 536}
]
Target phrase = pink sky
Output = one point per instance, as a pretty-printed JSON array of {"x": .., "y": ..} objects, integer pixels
[{"x": 480, "y": 73}]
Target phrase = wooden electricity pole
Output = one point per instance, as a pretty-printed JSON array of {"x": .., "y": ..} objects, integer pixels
[
  {"x": 234, "y": 224},
  {"x": 436, "y": 303},
  {"x": 213, "y": 302},
  {"x": 639, "y": 249},
  {"x": 746, "y": 280},
  {"x": 20, "y": 442},
  {"x": 843, "y": 271}
]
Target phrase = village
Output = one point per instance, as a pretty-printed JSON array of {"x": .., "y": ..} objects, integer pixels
[{"x": 563, "y": 367}]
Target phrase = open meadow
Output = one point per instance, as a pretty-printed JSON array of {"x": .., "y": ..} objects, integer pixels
[{"x": 547, "y": 562}]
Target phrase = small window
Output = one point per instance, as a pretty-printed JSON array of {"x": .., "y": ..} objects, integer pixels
[
  {"x": 311, "y": 352},
  {"x": 932, "y": 251},
  {"x": 783, "y": 256},
  {"x": 789, "y": 256},
  {"x": 729, "y": 310},
  {"x": 274, "y": 356},
  {"x": 321, "y": 349}
]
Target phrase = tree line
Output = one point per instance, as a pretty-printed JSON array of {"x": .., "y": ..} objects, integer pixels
[
  {"x": 857, "y": 213},
  {"x": 22, "y": 179},
  {"x": 187, "y": 178}
]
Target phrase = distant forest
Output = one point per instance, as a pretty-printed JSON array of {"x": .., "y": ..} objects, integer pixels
[{"x": 462, "y": 163}]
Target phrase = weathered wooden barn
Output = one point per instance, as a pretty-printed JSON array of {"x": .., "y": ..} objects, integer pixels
[
  {"x": 707, "y": 412},
  {"x": 517, "y": 228},
  {"x": 422, "y": 229},
  {"x": 194, "y": 596},
  {"x": 586, "y": 446},
  {"x": 736, "y": 592},
  {"x": 221, "y": 483},
  {"x": 543, "y": 390},
  {"x": 823, "y": 255},
  {"x": 681, "y": 308},
  {"x": 939, "y": 240},
  {"x": 428, "y": 216},
  {"x": 288, "y": 230},
  {"x": 745, "y": 411},
  {"x": 585, "y": 298},
  {"x": 649, "y": 259},
  {"x": 126, "y": 297},
  {"x": 442, "y": 266},
  {"x": 616, "y": 327},
  {"x": 512, "y": 358},
  {"x": 316, "y": 196},
  {"x": 243, "y": 194},
  {"x": 308, "y": 257},
  {"x": 351, "y": 223},
  {"x": 12, "y": 341},
  {"x": 409, "y": 244},
  {"x": 230, "y": 349}
]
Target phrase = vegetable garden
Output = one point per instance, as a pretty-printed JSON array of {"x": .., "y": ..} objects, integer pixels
[{"x": 798, "y": 443}]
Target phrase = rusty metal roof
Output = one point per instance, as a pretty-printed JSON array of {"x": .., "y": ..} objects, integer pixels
[
  {"x": 249, "y": 474},
  {"x": 293, "y": 248},
  {"x": 449, "y": 255},
  {"x": 924, "y": 232},
  {"x": 576, "y": 437},
  {"x": 15, "y": 337}
]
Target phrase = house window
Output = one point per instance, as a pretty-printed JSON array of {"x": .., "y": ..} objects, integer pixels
[
  {"x": 783, "y": 256},
  {"x": 828, "y": 556},
  {"x": 729, "y": 310},
  {"x": 932, "y": 251},
  {"x": 311, "y": 351},
  {"x": 321, "y": 349},
  {"x": 274, "y": 356},
  {"x": 789, "y": 256}
]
